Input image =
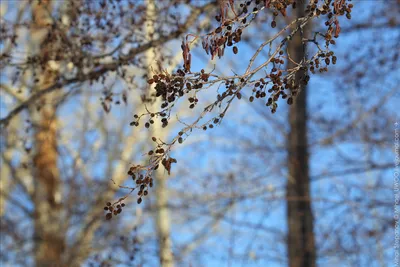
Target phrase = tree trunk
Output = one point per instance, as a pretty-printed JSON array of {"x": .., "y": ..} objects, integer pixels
[
  {"x": 162, "y": 213},
  {"x": 49, "y": 238},
  {"x": 300, "y": 244}
]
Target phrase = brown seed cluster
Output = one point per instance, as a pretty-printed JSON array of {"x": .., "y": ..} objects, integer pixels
[
  {"x": 280, "y": 82},
  {"x": 113, "y": 209},
  {"x": 224, "y": 36},
  {"x": 230, "y": 30},
  {"x": 327, "y": 59},
  {"x": 141, "y": 180},
  {"x": 332, "y": 9},
  {"x": 171, "y": 87},
  {"x": 141, "y": 175},
  {"x": 213, "y": 122}
]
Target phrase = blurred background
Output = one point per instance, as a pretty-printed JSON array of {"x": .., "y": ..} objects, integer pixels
[{"x": 229, "y": 198}]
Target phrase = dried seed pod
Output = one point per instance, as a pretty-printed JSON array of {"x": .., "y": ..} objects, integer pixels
[
  {"x": 327, "y": 61},
  {"x": 227, "y": 23}
]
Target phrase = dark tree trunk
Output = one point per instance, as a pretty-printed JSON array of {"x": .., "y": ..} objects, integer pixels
[{"x": 301, "y": 244}]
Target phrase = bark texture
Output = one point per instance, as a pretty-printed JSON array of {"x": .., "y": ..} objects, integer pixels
[
  {"x": 301, "y": 244},
  {"x": 49, "y": 237}
]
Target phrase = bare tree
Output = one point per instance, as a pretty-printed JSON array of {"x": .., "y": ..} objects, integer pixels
[
  {"x": 69, "y": 192},
  {"x": 95, "y": 50}
]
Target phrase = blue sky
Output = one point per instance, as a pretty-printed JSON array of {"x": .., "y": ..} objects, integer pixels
[{"x": 246, "y": 235}]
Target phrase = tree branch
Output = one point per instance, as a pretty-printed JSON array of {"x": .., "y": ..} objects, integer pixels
[{"x": 112, "y": 66}]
